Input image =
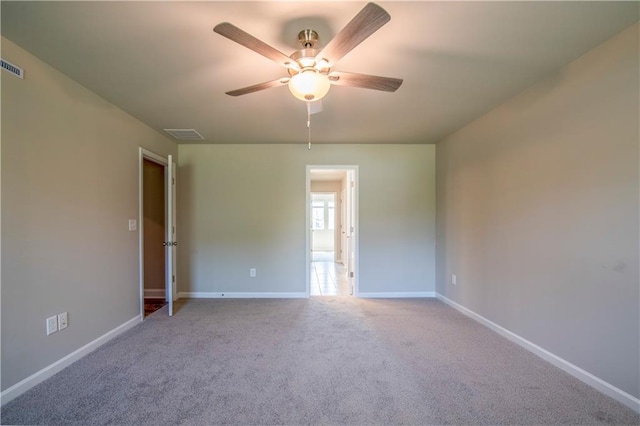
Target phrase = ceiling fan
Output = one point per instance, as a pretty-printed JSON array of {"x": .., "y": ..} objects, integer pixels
[{"x": 309, "y": 68}]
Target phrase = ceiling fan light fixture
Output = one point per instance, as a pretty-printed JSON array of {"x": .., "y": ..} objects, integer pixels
[{"x": 309, "y": 85}]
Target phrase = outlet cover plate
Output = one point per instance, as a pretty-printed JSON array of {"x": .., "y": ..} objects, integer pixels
[{"x": 63, "y": 321}]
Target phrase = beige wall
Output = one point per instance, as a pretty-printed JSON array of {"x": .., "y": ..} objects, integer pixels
[
  {"x": 154, "y": 226},
  {"x": 242, "y": 207},
  {"x": 538, "y": 214},
  {"x": 69, "y": 186}
]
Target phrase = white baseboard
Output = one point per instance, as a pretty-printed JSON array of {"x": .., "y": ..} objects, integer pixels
[
  {"x": 241, "y": 295},
  {"x": 150, "y": 293},
  {"x": 389, "y": 295},
  {"x": 40, "y": 376},
  {"x": 577, "y": 372}
]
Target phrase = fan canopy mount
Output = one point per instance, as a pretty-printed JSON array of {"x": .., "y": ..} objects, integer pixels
[{"x": 307, "y": 39}]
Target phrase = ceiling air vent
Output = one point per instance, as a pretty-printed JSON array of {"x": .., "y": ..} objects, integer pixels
[
  {"x": 9, "y": 67},
  {"x": 185, "y": 134}
]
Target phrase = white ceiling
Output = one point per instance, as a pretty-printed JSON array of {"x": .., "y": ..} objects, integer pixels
[{"x": 162, "y": 63}]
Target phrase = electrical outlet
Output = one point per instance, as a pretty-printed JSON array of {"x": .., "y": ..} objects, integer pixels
[
  {"x": 52, "y": 325},
  {"x": 453, "y": 279},
  {"x": 133, "y": 225},
  {"x": 63, "y": 321},
  {"x": 252, "y": 272}
]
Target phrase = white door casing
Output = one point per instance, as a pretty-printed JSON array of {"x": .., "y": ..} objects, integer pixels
[
  {"x": 343, "y": 225},
  {"x": 171, "y": 233}
]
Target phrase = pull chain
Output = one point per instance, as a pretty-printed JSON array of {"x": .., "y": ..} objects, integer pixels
[{"x": 309, "y": 122}]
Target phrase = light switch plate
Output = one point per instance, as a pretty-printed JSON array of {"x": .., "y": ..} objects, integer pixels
[
  {"x": 52, "y": 325},
  {"x": 132, "y": 225}
]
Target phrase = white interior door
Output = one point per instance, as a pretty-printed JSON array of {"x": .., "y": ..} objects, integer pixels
[
  {"x": 351, "y": 228},
  {"x": 343, "y": 226},
  {"x": 171, "y": 234}
]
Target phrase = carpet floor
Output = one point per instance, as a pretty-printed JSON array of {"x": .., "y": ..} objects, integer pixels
[{"x": 329, "y": 360}]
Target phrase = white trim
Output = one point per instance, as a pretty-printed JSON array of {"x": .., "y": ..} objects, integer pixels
[
  {"x": 38, "y": 377},
  {"x": 390, "y": 295},
  {"x": 152, "y": 156},
  {"x": 577, "y": 372},
  {"x": 170, "y": 226},
  {"x": 241, "y": 295},
  {"x": 154, "y": 293}
]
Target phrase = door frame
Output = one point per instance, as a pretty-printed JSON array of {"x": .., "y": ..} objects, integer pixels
[
  {"x": 170, "y": 287},
  {"x": 350, "y": 169}
]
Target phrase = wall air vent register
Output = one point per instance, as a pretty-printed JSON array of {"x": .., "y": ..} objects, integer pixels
[{"x": 13, "y": 69}]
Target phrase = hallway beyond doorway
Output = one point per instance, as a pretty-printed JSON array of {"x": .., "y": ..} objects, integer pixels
[
  {"x": 342, "y": 181},
  {"x": 328, "y": 278}
]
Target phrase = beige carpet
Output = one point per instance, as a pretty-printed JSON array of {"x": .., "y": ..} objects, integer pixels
[{"x": 316, "y": 361}]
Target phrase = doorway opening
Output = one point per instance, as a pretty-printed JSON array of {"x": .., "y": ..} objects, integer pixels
[
  {"x": 332, "y": 231},
  {"x": 156, "y": 227}
]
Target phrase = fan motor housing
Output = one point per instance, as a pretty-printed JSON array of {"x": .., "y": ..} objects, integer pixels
[{"x": 306, "y": 58}]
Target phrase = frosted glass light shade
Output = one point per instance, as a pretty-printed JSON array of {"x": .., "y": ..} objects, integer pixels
[{"x": 309, "y": 85}]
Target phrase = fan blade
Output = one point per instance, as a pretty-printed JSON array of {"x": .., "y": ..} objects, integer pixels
[
  {"x": 234, "y": 33},
  {"x": 365, "y": 23},
  {"x": 258, "y": 87},
  {"x": 386, "y": 84}
]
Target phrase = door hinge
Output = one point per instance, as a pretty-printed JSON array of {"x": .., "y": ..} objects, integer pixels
[
  {"x": 351, "y": 275},
  {"x": 173, "y": 278},
  {"x": 173, "y": 181}
]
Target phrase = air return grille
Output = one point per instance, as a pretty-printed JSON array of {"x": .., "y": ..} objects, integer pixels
[
  {"x": 185, "y": 134},
  {"x": 9, "y": 67}
]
